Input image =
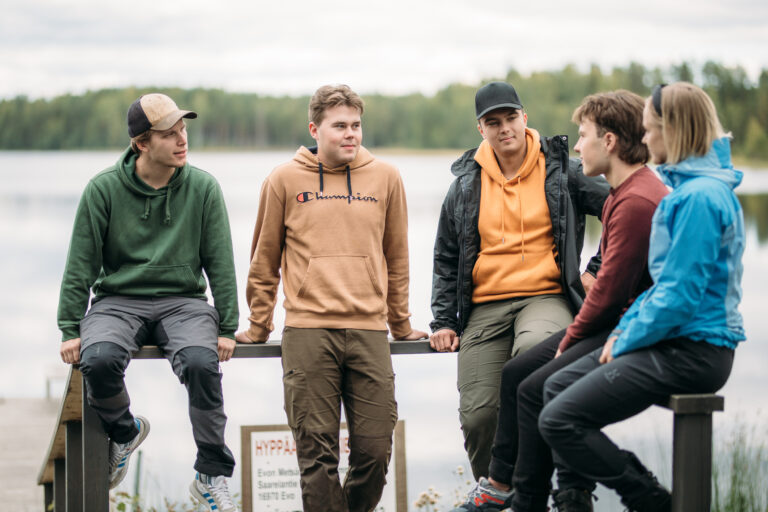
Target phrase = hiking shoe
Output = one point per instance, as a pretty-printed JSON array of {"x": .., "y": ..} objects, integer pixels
[
  {"x": 572, "y": 500},
  {"x": 119, "y": 453},
  {"x": 646, "y": 493},
  {"x": 485, "y": 497},
  {"x": 212, "y": 493}
]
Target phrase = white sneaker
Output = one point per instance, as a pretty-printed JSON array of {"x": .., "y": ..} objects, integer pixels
[
  {"x": 120, "y": 453},
  {"x": 212, "y": 493}
]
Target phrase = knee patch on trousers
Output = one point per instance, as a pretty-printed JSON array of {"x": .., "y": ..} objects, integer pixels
[
  {"x": 104, "y": 363},
  {"x": 198, "y": 369}
]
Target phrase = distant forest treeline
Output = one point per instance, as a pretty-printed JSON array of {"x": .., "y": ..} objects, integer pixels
[{"x": 446, "y": 120}]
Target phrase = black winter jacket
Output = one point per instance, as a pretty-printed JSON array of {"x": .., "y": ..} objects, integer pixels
[{"x": 570, "y": 195}]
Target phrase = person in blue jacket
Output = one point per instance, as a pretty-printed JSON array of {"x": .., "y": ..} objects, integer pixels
[{"x": 679, "y": 336}]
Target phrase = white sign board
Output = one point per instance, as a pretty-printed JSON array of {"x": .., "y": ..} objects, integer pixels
[{"x": 271, "y": 471}]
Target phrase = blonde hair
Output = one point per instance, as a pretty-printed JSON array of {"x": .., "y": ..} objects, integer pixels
[
  {"x": 141, "y": 138},
  {"x": 329, "y": 96},
  {"x": 688, "y": 120}
]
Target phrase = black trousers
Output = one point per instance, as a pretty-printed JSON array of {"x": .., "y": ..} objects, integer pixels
[
  {"x": 586, "y": 396},
  {"x": 520, "y": 457}
]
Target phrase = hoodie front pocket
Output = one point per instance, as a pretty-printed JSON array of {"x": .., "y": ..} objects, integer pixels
[
  {"x": 341, "y": 284},
  {"x": 152, "y": 280}
]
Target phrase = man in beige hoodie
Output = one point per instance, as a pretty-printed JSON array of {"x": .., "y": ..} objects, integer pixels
[{"x": 334, "y": 222}]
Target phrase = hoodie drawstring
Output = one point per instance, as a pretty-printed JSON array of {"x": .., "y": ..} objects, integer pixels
[
  {"x": 320, "y": 169},
  {"x": 147, "y": 206},
  {"x": 522, "y": 227},
  {"x": 146, "y": 210},
  {"x": 349, "y": 182},
  {"x": 168, "y": 206}
]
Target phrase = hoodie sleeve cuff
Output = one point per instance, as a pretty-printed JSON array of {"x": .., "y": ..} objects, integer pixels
[{"x": 400, "y": 329}]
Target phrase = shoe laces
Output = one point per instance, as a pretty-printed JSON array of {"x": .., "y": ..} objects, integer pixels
[
  {"x": 117, "y": 452},
  {"x": 217, "y": 486}
]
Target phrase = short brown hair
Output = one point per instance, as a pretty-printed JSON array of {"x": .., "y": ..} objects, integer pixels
[
  {"x": 621, "y": 113},
  {"x": 688, "y": 120},
  {"x": 329, "y": 96}
]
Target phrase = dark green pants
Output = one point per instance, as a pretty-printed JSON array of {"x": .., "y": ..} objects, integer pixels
[
  {"x": 495, "y": 332},
  {"x": 323, "y": 368}
]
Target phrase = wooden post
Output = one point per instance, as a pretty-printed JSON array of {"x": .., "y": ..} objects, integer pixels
[
  {"x": 74, "y": 466},
  {"x": 47, "y": 496},
  {"x": 59, "y": 486},
  {"x": 692, "y": 450},
  {"x": 95, "y": 456}
]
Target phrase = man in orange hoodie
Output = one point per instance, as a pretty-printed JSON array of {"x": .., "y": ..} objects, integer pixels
[
  {"x": 334, "y": 221},
  {"x": 507, "y": 255}
]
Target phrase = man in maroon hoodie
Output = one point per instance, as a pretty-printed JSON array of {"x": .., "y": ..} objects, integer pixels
[{"x": 610, "y": 143}]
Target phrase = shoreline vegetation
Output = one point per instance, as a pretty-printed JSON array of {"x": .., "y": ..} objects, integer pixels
[{"x": 414, "y": 123}]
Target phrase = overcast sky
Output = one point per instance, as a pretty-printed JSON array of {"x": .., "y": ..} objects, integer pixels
[{"x": 50, "y": 47}]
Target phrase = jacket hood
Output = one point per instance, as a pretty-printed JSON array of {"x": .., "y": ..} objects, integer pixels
[
  {"x": 307, "y": 157},
  {"x": 715, "y": 164},
  {"x": 126, "y": 170},
  {"x": 467, "y": 164}
]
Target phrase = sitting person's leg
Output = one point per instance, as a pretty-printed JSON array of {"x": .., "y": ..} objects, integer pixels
[
  {"x": 533, "y": 468},
  {"x": 111, "y": 331},
  {"x": 187, "y": 331},
  {"x": 578, "y": 408}
]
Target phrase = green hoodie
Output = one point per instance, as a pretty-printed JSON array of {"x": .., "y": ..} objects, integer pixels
[{"x": 130, "y": 239}]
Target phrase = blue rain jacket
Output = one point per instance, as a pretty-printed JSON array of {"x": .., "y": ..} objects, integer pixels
[{"x": 694, "y": 258}]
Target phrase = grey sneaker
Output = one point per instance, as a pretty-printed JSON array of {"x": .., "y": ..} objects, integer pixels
[
  {"x": 485, "y": 498},
  {"x": 212, "y": 493},
  {"x": 120, "y": 453}
]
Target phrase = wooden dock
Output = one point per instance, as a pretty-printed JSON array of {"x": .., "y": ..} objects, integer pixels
[{"x": 26, "y": 425}]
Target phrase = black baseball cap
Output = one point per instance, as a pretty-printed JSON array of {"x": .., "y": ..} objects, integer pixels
[{"x": 495, "y": 95}]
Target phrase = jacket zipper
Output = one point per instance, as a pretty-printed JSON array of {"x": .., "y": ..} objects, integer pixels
[{"x": 462, "y": 257}]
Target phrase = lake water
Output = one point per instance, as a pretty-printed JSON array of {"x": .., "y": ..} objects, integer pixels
[{"x": 38, "y": 196}]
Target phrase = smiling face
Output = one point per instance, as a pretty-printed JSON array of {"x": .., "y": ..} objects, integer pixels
[
  {"x": 654, "y": 136},
  {"x": 504, "y": 129},
  {"x": 167, "y": 148},
  {"x": 338, "y": 135},
  {"x": 593, "y": 149}
]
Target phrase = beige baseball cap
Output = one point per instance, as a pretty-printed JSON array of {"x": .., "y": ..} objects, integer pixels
[{"x": 154, "y": 112}]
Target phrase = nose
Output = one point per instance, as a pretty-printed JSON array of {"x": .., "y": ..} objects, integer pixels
[
  {"x": 577, "y": 147},
  {"x": 182, "y": 139}
]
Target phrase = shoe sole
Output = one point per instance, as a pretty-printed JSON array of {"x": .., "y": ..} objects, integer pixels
[{"x": 121, "y": 472}]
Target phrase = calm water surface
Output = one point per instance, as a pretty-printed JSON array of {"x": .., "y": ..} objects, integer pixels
[{"x": 38, "y": 197}]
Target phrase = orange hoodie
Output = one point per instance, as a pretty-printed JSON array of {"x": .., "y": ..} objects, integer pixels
[
  {"x": 517, "y": 249},
  {"x": 339, "y": 237}
]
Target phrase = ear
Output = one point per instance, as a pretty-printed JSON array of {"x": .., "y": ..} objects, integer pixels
[
  {"x": 610, "y": 142},
  {"x": 313, "y": 130},
  {"x": 143, "y": 145},
  {"x": 480, "y": 129},
  {"x": 525, "y": 119}
]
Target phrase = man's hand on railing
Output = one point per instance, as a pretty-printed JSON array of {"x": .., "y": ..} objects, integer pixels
[
  {"x": 413, "y": 336},
  {"x": 444, "y": 340},
  {"x": 226, "y": 348},
  {"x": 70, "y": 351}
]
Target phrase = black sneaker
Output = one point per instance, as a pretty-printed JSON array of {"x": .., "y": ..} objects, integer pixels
[
  {"x": 486, "y": 498},
  {"x": 572, "y": 500}
]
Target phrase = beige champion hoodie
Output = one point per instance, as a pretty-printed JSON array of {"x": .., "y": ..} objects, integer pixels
[{"x": 339, "y": 237}]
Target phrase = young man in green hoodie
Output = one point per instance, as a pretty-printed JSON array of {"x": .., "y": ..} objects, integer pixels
[{"x": 145, "y": 230}]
